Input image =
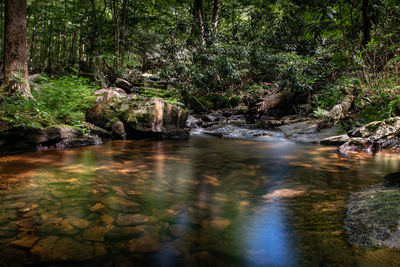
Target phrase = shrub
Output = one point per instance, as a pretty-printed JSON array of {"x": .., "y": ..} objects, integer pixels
[{"x": 56, "y": 100}]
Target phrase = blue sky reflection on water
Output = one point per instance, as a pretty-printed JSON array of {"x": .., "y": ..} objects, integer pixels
[{"x": 269, "y": 242}]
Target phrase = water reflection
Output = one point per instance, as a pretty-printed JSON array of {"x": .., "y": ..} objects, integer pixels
[
  {"x": 269, "y": 243},
  {"x": 207, "y": 201}
]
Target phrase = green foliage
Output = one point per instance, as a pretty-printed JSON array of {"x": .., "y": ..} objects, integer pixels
[
  {"x": 320, "y": 113},
  {"x": 56, "y": 100},
  {"x": 299, "y": 74}
]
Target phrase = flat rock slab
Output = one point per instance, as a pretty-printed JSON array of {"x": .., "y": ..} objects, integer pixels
[
  {"x": 26, "y": 242},
  {"x": 373, "y": 217},
  {"x": 308, "y": 132},
  {"x": 54, "y": 248}
]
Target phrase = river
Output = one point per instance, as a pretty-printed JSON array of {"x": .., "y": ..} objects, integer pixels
[{"x": 207, "y": 201}]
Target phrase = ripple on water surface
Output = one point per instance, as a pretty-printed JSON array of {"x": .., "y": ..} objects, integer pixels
[{"x": 206, "y": 201}]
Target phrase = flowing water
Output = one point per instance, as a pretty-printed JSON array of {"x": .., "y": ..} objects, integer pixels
[{"x": 262, "y": 201}]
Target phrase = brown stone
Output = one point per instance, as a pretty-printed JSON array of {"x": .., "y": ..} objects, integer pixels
[
  {"x": 219, "y": 223},
  {"x": 145, "y": 244},
  {"x": 77, "y": 222},
  {"x": 26, "y": 242},
  {"x": 100, "y": 208},
  {"x": 107, "y": 219},
  {"x": 95, "y": 233},
  {"x": 131, "y": 219},
  {"x": 54, "y": 248}
]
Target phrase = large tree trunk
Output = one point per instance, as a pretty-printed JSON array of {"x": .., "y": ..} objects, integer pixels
[
  {"x": 366, "y": 23},
  {"x": 15, "y": 49}
]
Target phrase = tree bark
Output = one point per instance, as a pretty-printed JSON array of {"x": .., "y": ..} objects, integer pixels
[
  {"x": 215, "y": 21},
  {"x": 366, "y": 23},
  {"x": 15, "y": 49},
  {"x": 198, "y": 15},
  {"x": 116, "y": 34}
]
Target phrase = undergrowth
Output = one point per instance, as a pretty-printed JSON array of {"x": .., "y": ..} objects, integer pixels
[{"x": 56, "y": 100}]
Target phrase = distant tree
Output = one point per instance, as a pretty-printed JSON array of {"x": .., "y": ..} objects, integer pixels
[{"x": 15, "y": 49}]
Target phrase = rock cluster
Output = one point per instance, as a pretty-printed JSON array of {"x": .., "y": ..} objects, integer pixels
[{"x": 370, "y": 137}]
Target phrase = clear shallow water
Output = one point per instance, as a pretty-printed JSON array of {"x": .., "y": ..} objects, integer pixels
[{"x": 263, "y": 201}]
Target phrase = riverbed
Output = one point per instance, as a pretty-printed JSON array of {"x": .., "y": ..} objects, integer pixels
[{"x": 207, "y": 201}]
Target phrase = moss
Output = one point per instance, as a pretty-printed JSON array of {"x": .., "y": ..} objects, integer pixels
[{"x": 374, "y": 217}]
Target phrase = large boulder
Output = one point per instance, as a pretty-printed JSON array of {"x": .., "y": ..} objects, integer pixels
[{"x": 135, "y": 116}]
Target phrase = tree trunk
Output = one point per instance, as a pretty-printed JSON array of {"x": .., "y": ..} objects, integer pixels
[
  {"x": 198, "y": 15},
  {"x": 366, "y": 23},
  {"x": 215, "y": 21},
  {"x": 116, "y": 34},
  {"x": 15, "y": 49}
]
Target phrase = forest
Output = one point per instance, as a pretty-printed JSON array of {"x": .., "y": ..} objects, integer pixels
[{"x": 199, "y": 132}]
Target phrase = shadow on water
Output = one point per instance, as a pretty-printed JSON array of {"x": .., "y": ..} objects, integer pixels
[{"x": 207, "y": 201}]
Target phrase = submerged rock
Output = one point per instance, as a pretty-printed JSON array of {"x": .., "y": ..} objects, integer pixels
[
  {"x": 54, "y": 248},
  {"x": 373, "y": 217},
  {"x": 95, "y": 233},
  {"x": 25, "y": 242},
  {"x": 220, "y": 224},
  {"x": 77, "y": 222},
  {"x": 131, "y": 219},
  {"x": 145, "y": 244}
]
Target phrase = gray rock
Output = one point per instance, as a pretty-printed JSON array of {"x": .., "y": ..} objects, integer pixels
[
  {"x": 308, "y": 131},
  {"x": 124, "y": 84},
  {"x": 378, "y": 129},
  {"x": 335, "y": 140},
  {"x": 360, "y": 144}
]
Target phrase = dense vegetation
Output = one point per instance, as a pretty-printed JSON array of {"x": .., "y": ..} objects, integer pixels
[{"x": 317, "y": 50}]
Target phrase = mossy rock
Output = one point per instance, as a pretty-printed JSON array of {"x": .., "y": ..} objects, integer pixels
[
  {"x": 138, "y": 114},
  {"x": 373, "y": 217}
]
